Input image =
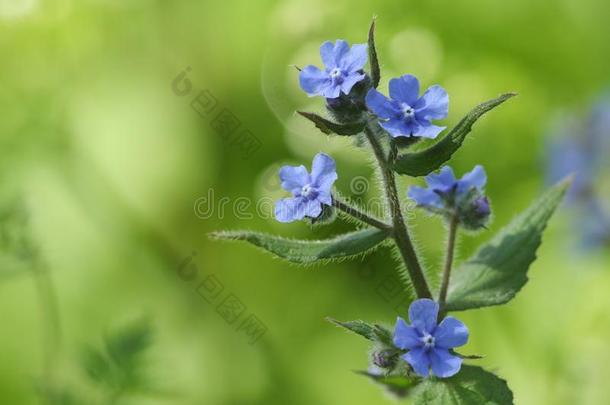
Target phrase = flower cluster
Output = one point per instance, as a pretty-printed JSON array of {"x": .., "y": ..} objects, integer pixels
[
  {"x": 410, "y": 359},
  {"x": 425, "y": 344}
]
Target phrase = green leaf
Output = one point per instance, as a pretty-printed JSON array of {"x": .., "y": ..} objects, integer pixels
[
  {"x": 397, "y": 384},
  {"x": 373, "y": 61},
  {"x": 423, "y": 162},
  {"x": 125, "y": 346},
  {"x": 471, "y": 386},
  {"x": 97, "y": 366},
  {"x": 329, "y": 127},
  {"x": 119, "y": 364},
  {"x": 18, "y": 251},
  {"x": 374, "y": 333},
  {"x": 358, "y": 327},
  {"x": 383, "y": 335},
  {"x": 499, "y": 269},
  {"x": 310, "y": 251}
]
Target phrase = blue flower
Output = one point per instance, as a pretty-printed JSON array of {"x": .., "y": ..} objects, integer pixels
[
  {"x": 594, "y": 221},
  {"x": 343, "y": 69},
  {"x": 407, "y": 114},
  {"x": 569, "y": 154},
  {"x": 580, "y": 147},
  {"x": 450, "y": 197},
  {"x": 309, "y": 191},
  {"x": 444, "y": 190},
  {"x": 429, "y": 344},
  {"x": 481, "y": 207}
]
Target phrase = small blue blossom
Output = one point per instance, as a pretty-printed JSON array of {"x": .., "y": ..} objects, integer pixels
[
  {"x": 407, "y": 114},
  {"x": 451, "y": 197},
  {"x": 429, "y": 343},
  {"x": 444, "y": 188},
  {"x": 342, "y": 70},
  {"x": 309, "y": 191}
]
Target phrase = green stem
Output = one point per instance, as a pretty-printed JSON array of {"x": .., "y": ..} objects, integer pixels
[
  {"x": 50, "y": 314},
  {"x": 360, "y": 215},
  {"x": 401, "y": 233},
  {"x": 442, "y": 296}
]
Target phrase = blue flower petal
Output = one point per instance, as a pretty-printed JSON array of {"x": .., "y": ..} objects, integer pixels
[
  {"x": 405, "y": 336},
  {"x": 327, "y": 53},
  {"x": 313, "y": 208},
  {"x": 323, "y": 172},
  {"x": 443, "y": 181},
  {"x": 425, "y": 197},
  {"x": 400, "y": 127},
  {"x": 428, "y": 131},
  {"x": 355, "y": 59},
  {"x": 443, "y": 363},
  {"x": 450, "y": 333},
  {"x": 405, "y": 89},
  {"x": 419, "y": 360},
  {"x": 423, "y": 314},
  {"x": 290, "y": 209},
  {"x": 434, "y": 104},
  {"x": 380, "y": 105},
  {"x": 314, "y": 81},
  {"x": 566, "y": 155},
  {"x": 340, "y": 51},
  {"x": 325, "y": 197},
  {"x": 293, "y": 178},
  {"x": 350, "y": 81},
  {"x": 476, "y": 178}
]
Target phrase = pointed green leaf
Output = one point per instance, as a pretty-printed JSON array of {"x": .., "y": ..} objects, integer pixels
[
  {"x": 472, "y": 385},
  {"x": 374, "y": 333},
  {"x": 467, "y": 356},
  {"x": 499, "y": 269},
  {"x": 310, "y": 251},
  {"x": 373, "y": 61},
  {"x": 423, "y": 162},
  {"x": 358, "y": 327},
  {"x": 397, "y": 384},
  {"x": 329, "y": 127},
  {"x": 383, "y": 335}
]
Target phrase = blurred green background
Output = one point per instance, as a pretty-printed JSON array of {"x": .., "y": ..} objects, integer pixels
[{"x": 111, "y": 167}]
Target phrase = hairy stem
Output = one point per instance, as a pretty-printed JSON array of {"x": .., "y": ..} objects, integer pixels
[
  {"x": 401, "y": 233},
  {"x": 50, "y": 314},
  {"x": 360, "y": 215},
  {"x": 442, "y": 296}
]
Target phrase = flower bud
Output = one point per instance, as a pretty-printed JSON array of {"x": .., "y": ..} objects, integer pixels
[
  {"x": 350, "y": 108},
  {"x": 386, "y": 358},
  {"x": 475, "y": 213},
  {"x": 327, "y": 216}
]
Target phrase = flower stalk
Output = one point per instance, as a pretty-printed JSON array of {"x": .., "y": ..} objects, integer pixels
[
  {"x": 401, "y": 233},
  {"x": 50, "y": 314},
  {"x": 359, "y": 214},
  {"x": 442, "y": 296}
]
